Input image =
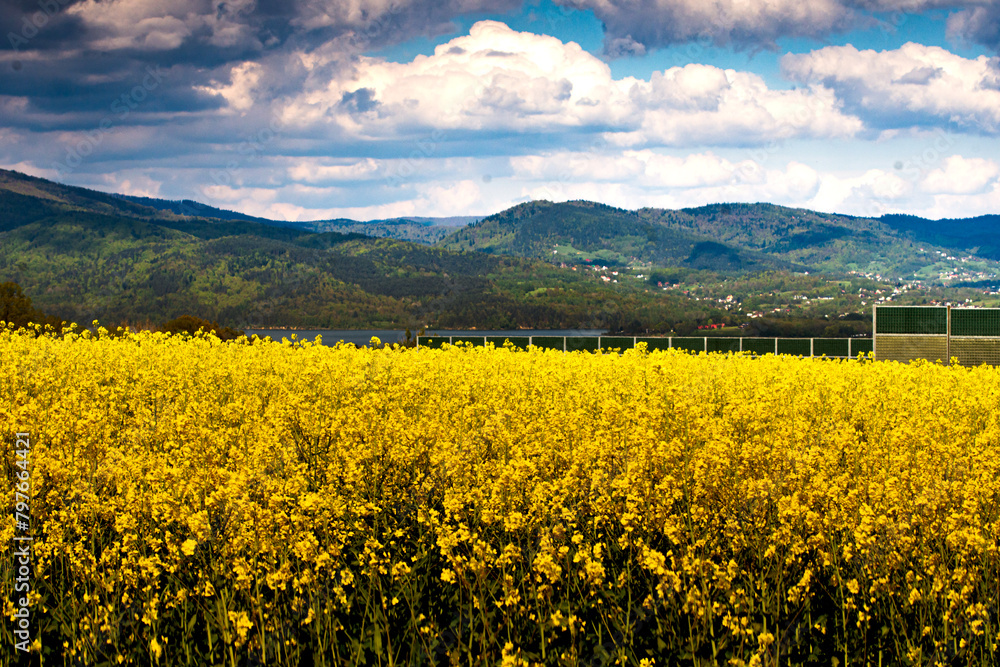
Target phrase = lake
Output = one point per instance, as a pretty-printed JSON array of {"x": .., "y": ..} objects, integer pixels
[{"x": 363, "y": 336}]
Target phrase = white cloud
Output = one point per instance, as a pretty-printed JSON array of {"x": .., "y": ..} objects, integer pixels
[
  {"x": 498, "y": 80},
  {"x": 961, "y": 187},
  {"x": 286, "y": 188},
  {"x": 315, "y": 170},
  {"x": 31, "y": 169},
  {"x": 644, "y": 168},
  {"x": 634, "y": 179},
  {"x": 493, "y": 78},
  {"x": 460, "y": 197},
  {"x": 912, "y": 85},
  {"x": 701, "y": 104},
  {"x": 960, "y": 205},
  {"x": 962, "y": 176},
  {"x": 136, "y": 184},
  {"x": 245, "y": 196},
  {"x": 239, "y": 92}
]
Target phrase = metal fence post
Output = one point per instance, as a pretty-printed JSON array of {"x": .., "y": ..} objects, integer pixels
[
  {"x": 875, "y": 332},
  {"x": 948, "y": 344},
  {"x": 812, "y": 348}
]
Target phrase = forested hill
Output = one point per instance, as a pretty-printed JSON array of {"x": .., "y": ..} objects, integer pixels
[
  {"x": 615, "y": 237},
  {"x": 979, "y": 235},
  {"x": 721, "y": 237},
  {"x": 82, "y": 255}
]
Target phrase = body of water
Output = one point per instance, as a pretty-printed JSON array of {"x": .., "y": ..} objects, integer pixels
[{"x": 363, "y": 336}]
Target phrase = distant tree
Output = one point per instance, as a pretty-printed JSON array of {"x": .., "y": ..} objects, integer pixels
[
  {"x": 16, "y": 308},
  {"x": 191, "y": 324}
]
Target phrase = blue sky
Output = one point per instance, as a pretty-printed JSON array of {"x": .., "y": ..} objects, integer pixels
[{"x": 369, "y": 109}]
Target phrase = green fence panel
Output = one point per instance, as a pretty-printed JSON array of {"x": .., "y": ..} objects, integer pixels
[
  {"x": 431, "y": 341},
  {"x": 798, "y": 346},
  {"x": 478, "y": 341},
  {"x": 617, "y": 342},
  {"x": 759, "y": 345},
  {"x": 830, "y": 347},
  {"x": 516, "y": 341},
  {"x": 582, "y": 343},
  {"x": 911, "y": 320},
  {"x": 972, "y": 322},
  {"x": 723, "y": 344},
  {"x": 655, "y": 343},
  {"x": 861, "y": 346},
  {"x": 548, "y": 342},
  {"x": 688, "y": 344}
]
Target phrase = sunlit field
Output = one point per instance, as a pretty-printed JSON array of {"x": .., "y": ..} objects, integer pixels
[{"x": 195, "y": 502}]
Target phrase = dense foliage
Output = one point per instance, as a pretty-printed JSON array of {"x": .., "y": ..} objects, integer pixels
[
  {"x": 613, "y": 236},
  {"x": 16, "y": 309},
  {"x": 82, "y": 266},
  {"x": 197, "y": 502},
  {"x": 726, "y": 237}
]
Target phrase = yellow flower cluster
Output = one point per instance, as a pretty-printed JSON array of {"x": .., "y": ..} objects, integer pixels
[{"x": 198, "y": 502}]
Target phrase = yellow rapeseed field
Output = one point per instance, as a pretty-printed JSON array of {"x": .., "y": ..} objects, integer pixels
[{"x": 195, "y": 502}]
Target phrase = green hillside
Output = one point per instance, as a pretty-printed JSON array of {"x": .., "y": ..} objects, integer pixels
[
  {"x": 732, "y": 239},
  {"x": 821, "y": 241},
  {"x": 82, "y": 255},
  {"x": 575, "y": 231}
]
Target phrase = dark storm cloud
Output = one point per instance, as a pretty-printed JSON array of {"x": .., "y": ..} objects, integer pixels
[
  {"x": 64, "y": 63},
  {"x": 629, "y": 24},
  {"x": 980, "y": 25},
  {"x": 37, "y": 24},
  {"x": 67, "y": 97}
]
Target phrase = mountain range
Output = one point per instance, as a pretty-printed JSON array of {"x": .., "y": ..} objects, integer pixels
[
  {"x": 734, "y": 238},
  {"x": 83, "y": 254}
]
